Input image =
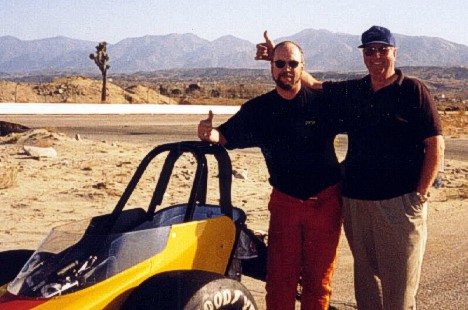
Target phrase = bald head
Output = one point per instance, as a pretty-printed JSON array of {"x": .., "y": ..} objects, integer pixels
[
  {"x": 290, "y": 47},
  {"x": 287, "y": 65}
]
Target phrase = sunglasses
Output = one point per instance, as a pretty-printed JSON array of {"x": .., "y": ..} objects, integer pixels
[
  {"x": 371, "y": 51},
  {"x": 281, "y": 63}
]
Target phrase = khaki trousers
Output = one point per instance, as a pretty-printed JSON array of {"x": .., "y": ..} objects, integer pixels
[{"x": 387, "y": 239}]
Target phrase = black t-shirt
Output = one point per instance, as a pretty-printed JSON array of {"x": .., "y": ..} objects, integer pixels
[
  {"x": 295, "y": 136},
  {"x": 386, "y": 130}
]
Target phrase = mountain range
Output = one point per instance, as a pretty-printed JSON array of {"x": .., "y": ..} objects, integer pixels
[{"x": 324, "y": 51}]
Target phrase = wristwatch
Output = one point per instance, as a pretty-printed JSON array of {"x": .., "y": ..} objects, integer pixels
[{"x": 423, "y": 198}]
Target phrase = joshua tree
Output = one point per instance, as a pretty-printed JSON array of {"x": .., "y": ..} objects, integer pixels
[{"x": 100, "y": 59}]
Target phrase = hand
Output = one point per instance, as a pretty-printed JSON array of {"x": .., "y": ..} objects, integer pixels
[
  {"x": 205, "y": 128},
  {"x": 265, "y": 50}
]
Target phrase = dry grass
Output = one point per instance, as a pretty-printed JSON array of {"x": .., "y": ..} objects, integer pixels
[
  {"x": 455, "y": 123},
  {"x": 8, "y": 174}
]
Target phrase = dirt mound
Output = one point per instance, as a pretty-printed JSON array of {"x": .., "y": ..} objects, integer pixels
[
  {"x": 6, "y": 128},
  {"x": 35, "y": 137},
  {"x": 77, "y": 89},
  {"x": 142, "y": 94}
]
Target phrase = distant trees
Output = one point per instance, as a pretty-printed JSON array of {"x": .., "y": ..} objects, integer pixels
[
  {"x": 100, "y": 59},
  {"x": 211, "y": 89}
]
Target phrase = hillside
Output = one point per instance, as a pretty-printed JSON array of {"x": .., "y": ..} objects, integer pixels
[
  {"x": 77, "y": 90},
  {"x": 324, "y": 51}
]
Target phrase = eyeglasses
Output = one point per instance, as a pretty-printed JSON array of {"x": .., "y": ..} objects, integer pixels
[
  {"x": 371, "y": 51},
  {"x": 281, "y": 63}
]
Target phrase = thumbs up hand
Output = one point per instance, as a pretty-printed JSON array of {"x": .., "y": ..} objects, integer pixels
[
  {"x": 206, "y": 131},
  {"x": 265, "y": 50}
]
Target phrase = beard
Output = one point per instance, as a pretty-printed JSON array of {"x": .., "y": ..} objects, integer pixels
[{"x": 283, "y": 85}]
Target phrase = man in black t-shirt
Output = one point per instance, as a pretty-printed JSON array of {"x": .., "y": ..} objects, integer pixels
[
  {"x": 395, "y": 149},
  {"x": 295, "y": 134}
]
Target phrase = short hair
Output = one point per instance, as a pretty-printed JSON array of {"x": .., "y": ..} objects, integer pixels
[{"x": 287, "y": 43}]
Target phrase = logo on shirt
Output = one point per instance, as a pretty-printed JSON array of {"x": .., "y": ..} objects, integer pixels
[
  {"x": 401, "y": 119},
  {"x": 310, "y": 123}
]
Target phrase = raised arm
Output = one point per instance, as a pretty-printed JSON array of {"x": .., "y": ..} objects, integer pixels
[{"x": 308, "y": 80}]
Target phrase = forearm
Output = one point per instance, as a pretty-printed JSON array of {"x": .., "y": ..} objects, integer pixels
[
  {"x": 308, "y": 80},
  {"x": 212, "y": 135},
  {"x": 221, "y": 139},
  {"x": 434, "y": 150}
]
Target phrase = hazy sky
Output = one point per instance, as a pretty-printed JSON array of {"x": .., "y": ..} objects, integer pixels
[{"x": 210, "y": 19}]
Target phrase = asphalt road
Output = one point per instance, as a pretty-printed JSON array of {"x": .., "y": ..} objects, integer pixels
[{"x": 156, "y": 129}]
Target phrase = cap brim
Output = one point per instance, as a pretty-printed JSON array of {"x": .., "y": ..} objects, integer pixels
[{"x": 375, "y": 42}]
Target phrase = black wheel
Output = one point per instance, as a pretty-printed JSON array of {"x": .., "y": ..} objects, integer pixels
[
  {"x": 15, "y": 260},
  {"x": 190, "y": 290}
]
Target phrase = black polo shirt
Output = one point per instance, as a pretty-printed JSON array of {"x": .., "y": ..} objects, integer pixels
[
  {"x": 386, "y": 130},
  {"x": 295, "y": 136}
]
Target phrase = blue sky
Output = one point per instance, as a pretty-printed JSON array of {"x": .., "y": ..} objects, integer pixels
[{"x": 115, "y": 20}]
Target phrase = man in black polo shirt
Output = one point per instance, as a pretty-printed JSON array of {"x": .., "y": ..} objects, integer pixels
[
  {"x": 295, "y": 134},
  {"x": 395, "y": 149}
]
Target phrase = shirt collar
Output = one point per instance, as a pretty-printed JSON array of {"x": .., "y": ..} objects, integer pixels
[{"x": 399, "y": 80}]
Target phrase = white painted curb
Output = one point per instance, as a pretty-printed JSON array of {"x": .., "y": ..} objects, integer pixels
[{"x": 85, "y": 108}]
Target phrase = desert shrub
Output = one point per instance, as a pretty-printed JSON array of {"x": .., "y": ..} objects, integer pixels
[{"x": 8, "y": 174}]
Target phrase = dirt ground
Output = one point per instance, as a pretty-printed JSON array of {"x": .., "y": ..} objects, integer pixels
[{"x": 89, "y": 174}]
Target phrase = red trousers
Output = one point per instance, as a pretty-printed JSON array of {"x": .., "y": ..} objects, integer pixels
[{"x": 302, "y": 240}]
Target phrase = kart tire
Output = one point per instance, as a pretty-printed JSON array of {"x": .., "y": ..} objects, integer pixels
[
  {"x": 190, "y": 290},
  {"x": 15, "y": 260}
]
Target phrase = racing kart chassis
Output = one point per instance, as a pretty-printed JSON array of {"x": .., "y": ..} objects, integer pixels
[{"x": 142, "y": 258}]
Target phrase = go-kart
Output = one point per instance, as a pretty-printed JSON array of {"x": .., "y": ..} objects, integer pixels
[{"x": 184, "y": 256}]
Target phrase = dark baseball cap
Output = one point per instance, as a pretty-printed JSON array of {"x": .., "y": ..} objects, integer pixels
[{"x": 377, "y": 34}]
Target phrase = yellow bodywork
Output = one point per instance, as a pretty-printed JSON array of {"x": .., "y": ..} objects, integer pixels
[{"x": 199, "y": 245}]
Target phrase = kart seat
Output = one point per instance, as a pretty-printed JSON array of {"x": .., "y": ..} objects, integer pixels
[
  {"x": 175, "y": 214},
  {"x": 126, "y": 221}
]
